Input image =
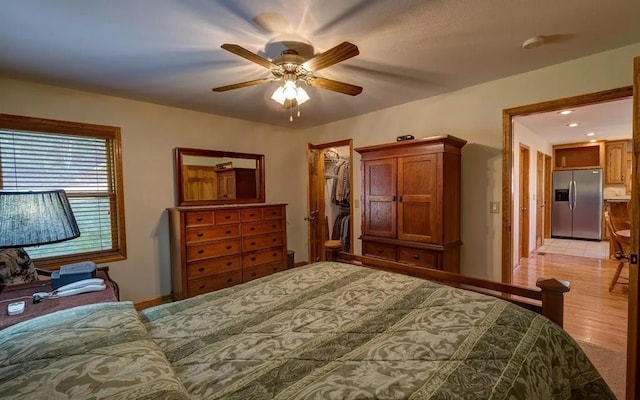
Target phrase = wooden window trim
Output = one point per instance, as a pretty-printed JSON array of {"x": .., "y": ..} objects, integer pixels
[{"x": 119, "y": 252}]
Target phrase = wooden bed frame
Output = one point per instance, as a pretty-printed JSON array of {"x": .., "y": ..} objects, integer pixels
[{"x": 548, "y": 301}]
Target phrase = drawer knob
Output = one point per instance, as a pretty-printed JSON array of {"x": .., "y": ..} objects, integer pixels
[
  {"x": 252, "y": 243},
  {"x": 274, "y": 213},
  {"x": 275, "y": 268},
  {"x": 229, "y": 280},
  {"x": 274, "y": 239},
  {"x": 379, "y": 251},
  {"x": 228, "y": 247},
  {"x": 253, "y": 258},
  {"x": 252, "y": 215},
  {"x": 200, "y": 251},
  {"x": 199, "y": 219},
  {"x": 202, "y": 286},
  {"x": 274, "y": 226},
  {"x": 253, "y": 274},
  {"x": 227, "y": 232},
  {"x": 200, "y": 269},
  {"x": 275, "y": 254},
  {"x": 415, "y": 257},
  {"x": 227, "y": 216},
  {"x": 199, "y": 234},
  {"x": 229, "y": 263},
  {"x": 252, "y": 229}
]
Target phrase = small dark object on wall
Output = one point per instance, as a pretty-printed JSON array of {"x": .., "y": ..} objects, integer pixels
[{"x": 404, "y": 137}]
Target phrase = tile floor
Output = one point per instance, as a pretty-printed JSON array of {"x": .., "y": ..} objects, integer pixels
[{"x": 581, "y": 248}]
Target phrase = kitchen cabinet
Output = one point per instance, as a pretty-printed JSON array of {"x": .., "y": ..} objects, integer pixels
[
  {"x": 616, "y": 162},
  {"x": 411, "y": 197},
  {"x": 579, "y": 155}
]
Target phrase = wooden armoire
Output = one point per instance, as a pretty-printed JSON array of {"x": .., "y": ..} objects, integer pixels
[{"x": 411, "y": 201}]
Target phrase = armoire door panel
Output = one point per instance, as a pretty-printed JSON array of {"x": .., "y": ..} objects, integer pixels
[
  {"x": 380, "y": 198},
  {"x": 417, "y": 199}
]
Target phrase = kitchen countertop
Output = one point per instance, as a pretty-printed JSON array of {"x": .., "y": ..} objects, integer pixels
[{"x": 617, "y": 199}]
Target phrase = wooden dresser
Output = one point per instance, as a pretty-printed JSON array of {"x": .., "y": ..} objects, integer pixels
[
  {"x": 411, "y": 201},
  {"x": 214, "y": 247}
]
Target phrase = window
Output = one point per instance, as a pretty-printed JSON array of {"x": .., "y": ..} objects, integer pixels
[{"x": 82, "y": 159}]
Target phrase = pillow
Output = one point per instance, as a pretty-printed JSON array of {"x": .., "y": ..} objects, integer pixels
[{"x": 16, "y": 267}]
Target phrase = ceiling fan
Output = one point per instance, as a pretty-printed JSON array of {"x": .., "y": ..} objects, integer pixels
[{"x": 290, "y": 67}]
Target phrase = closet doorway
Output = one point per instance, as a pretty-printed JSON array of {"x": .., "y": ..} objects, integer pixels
[{"x": 330, "y": 196}]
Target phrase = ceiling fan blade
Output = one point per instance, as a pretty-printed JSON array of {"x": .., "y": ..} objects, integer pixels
[
  {"x": 242, "y": 84},
  {"x": 341, "y": 52},
  {"x": 336, "y": 86},
  {"x": 253, "y": 57}
]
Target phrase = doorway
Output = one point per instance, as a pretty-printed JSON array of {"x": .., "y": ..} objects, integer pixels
[
  {"x": 633, "y": 373},
  {"x": 330, "y": 196}
]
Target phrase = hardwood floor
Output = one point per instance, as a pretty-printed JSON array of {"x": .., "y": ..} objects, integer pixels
[{"x": 591, "y": 313}]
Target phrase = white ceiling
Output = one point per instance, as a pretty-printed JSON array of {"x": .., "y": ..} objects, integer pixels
[
  {"x": 168, "y": 51},
  {"x": 609, "y": 121}
]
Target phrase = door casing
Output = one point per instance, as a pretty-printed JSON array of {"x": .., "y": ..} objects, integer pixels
[
  {"x": 633, "y": 350},
  {"x": 316, "y": 196}
]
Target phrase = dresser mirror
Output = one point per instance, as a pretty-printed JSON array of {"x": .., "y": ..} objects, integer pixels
[{"x": 209, "y": 177}]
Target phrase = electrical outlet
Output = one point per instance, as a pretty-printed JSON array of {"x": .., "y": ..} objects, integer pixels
[{"x": 494, "y": 207}]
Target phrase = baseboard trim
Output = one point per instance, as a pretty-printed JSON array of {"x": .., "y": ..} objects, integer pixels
[
  {"x": 300, "y": 263},
  {"x": 153, "y": 302}
]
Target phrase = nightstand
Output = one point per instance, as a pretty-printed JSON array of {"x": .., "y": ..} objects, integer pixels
[{"x": 25, "y": 291}]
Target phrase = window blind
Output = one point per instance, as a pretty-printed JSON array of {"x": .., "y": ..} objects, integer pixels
[{"x": 81, "y": 165}]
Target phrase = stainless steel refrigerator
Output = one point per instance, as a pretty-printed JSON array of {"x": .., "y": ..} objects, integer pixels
[{"x": 577, "y": 204}]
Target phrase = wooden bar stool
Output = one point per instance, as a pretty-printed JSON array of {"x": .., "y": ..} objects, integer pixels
[{"x": 331, "y": 248}]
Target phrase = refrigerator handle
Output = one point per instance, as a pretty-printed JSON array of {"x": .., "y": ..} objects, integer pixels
[
  {"x": 575, "y": 194},
  {"x": 571, "y": 195}
]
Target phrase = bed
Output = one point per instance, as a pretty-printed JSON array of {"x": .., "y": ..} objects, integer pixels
[{"x": 328, "y": 330}]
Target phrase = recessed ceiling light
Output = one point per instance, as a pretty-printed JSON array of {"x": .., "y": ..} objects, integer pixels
[
  {"x": 590, "y": 134},
  {"x": 592, "y": 141},
  {"x": 565, "y": 112},
  {"x": 573, "y": 124}
]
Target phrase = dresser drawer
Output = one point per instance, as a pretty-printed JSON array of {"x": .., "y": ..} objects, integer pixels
[
  {"x": 262, "y": 242},
  {"x": 213, "y": 266},
  {"x": 262, "y": 270},
  {"x": 262, "y": 257},
  {"x": 226, "y": 217},
  {"x": 198, "y": 218},
  {"x": 423, "y": 258},
  {"x": 272, "y": 213},
  {"x": 215, "y": 249},
  {"x": 251, "y": 215},
  {"x": 215, "y": 282},
  {"x": 199, "y": 234},
  {"x": 259, "y": 228},
  {"x": 380, "y": 250}
]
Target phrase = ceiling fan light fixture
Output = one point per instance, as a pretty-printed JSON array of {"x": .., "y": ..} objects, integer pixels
[
  {"x": 278, "y": 95},
  {"x": 289, "y": 90},
  {"x": 302, "y": 96}
]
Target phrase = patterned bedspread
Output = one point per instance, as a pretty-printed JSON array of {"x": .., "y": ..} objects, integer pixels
[
  {"x": 337, "y": 331},
  {"x": 98, "y": 351}
]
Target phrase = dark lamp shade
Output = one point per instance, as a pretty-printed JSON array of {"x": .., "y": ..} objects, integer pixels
[{"x": 34, "y": 218}]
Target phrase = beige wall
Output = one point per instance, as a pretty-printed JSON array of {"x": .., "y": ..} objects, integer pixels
[
  {"x": 475, "y": 114},
  {"x": 149, "y": 134}
]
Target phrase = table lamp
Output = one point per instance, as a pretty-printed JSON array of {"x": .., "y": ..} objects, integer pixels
[{"x": 34, "y": 218}]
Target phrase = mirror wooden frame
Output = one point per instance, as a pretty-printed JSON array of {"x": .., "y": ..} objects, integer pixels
[{"x": 181, "y": 152}]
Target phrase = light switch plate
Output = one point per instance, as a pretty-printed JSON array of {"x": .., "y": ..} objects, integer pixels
[{"x": 494, "y": 207}]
